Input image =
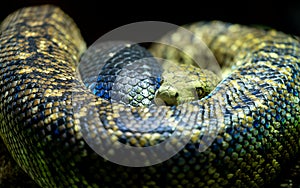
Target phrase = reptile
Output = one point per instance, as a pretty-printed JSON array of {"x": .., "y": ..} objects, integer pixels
[{"x": 247, "y": 126}]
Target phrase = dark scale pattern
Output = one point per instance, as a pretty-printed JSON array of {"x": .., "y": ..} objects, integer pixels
[
  {"x": 247, "y": 127},
  {"x": 114, "y": 66},
  {"x": 129, "y": 76}
]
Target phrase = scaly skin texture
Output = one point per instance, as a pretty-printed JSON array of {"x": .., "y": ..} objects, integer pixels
[{"x": 251, "y": 117}]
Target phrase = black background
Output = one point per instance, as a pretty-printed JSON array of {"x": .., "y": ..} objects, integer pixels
[{"x": 95, "y": 18}]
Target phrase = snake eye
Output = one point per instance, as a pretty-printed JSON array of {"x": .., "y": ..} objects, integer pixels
[{"x": 200, "y": 92}]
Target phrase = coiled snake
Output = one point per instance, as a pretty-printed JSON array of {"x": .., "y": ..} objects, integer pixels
[{"x": 255, "y": 109}]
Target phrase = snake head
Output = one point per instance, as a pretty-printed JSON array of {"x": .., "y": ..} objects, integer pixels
[{"x": 184, "y": 84}]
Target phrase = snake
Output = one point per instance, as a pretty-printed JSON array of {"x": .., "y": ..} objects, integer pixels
[{"x": 247, "y": 125}]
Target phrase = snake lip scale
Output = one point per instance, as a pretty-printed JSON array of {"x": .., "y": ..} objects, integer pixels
[{"x": 251, "y": 118}]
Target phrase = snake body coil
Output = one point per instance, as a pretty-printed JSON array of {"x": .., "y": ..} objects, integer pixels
[{"x": 255, "y": 110}]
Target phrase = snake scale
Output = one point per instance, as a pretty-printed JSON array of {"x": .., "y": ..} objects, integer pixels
[{"x": 255, "y": 109}]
